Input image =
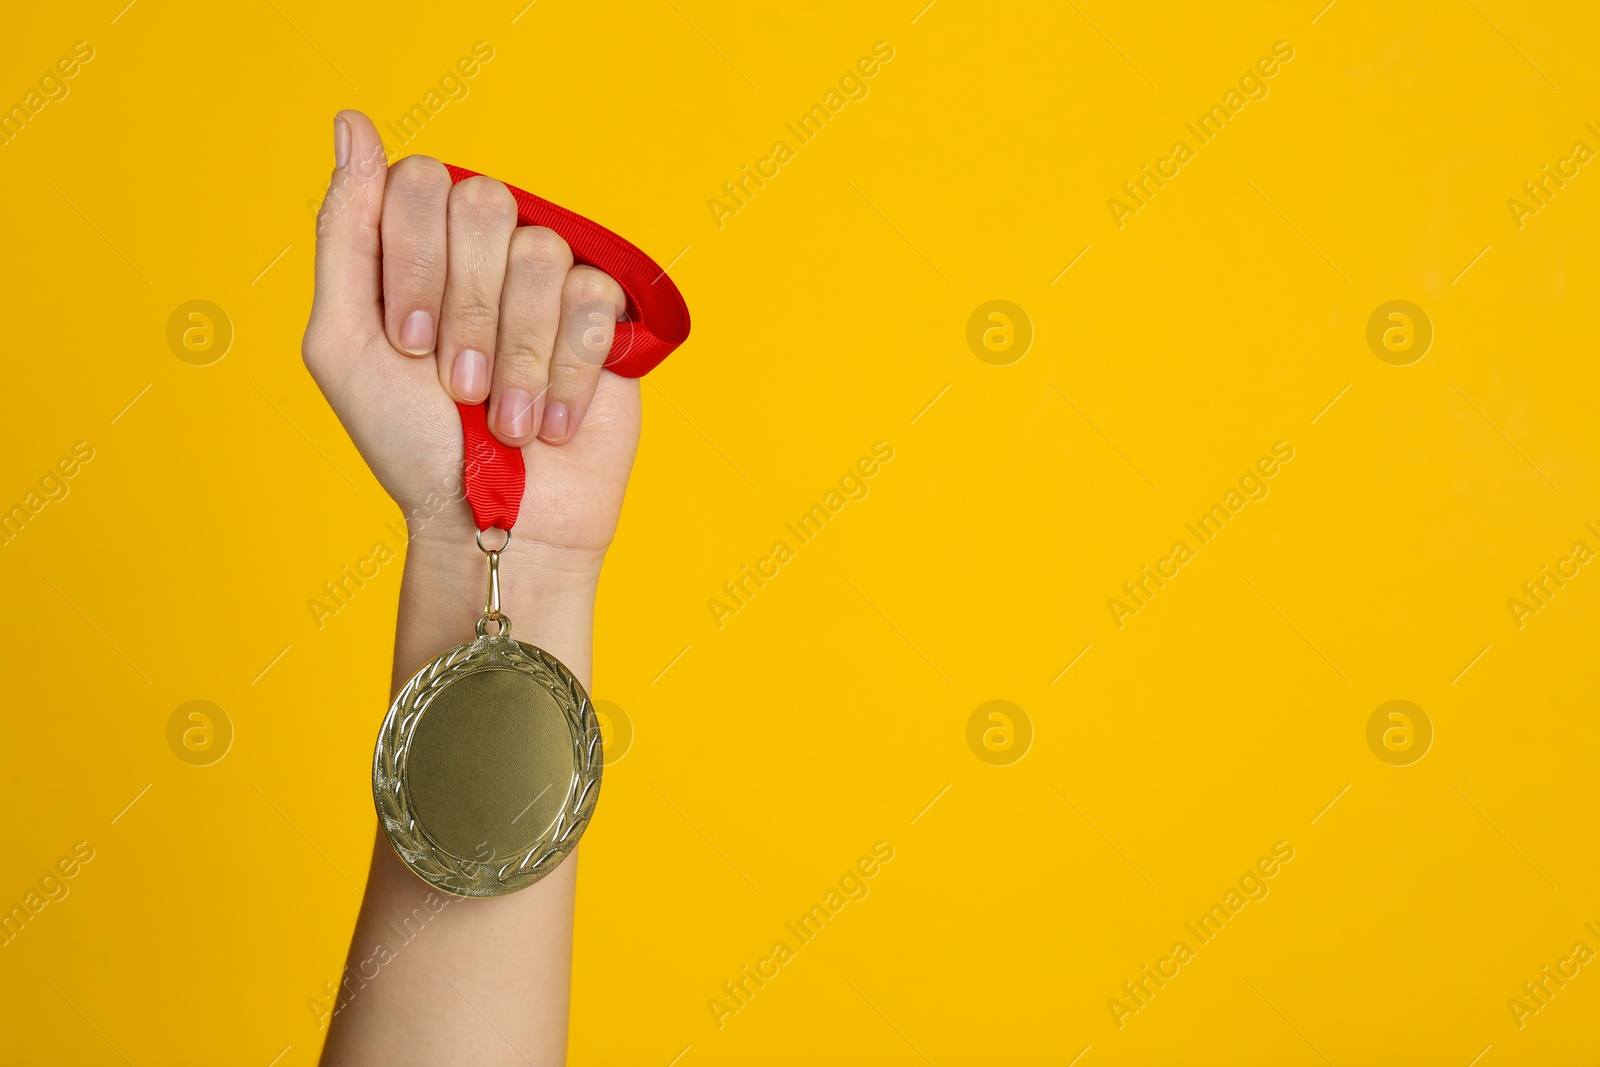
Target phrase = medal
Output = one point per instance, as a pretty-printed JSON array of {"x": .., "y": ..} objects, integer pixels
[{"x": 487, "y": 766}]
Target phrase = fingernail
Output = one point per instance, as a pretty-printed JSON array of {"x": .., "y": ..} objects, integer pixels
[
  {"x": 341, "y": 142},
  {"x": 470, "y": 376},
  {"x": 416, "y": 333},
  {"x": 554, "y": 429},
  {"x": 516, "y": 413}
]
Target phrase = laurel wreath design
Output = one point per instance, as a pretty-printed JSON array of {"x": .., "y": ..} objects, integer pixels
[{"x": 463, "y": 875}]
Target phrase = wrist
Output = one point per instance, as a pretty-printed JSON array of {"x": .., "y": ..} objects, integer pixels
[
  {"x": 528, "y": 568},
  {"x": 546, "y": 591}
]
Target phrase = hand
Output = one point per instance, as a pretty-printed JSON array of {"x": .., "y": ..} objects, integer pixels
[{"x": 429, "y": 293}]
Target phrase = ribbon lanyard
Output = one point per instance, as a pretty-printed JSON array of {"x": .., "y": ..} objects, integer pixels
[{"x": 656, "y": 322}]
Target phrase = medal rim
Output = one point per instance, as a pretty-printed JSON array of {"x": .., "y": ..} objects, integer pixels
[{"x": 432, "y": 863}]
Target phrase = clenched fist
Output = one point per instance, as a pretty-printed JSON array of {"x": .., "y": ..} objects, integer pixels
[{"x": 429, "y": 293}]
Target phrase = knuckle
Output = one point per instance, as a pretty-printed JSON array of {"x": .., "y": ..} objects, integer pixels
[
  {"x": 567, "y": 376},
  {"x": 312, "y": 345},
  {"x": 521, "y": 363},
  {"x": 586, "y": 285},
  {"x": 540, "y": 249},
  {"x": 329, "y": 341},
  {"x": 323, "y": 334},
  {"x": 593, "y": 300},
  {"x": 420, "y": 267},
  {"x": 474, "y": 315},
  {"x": 484, "y": 197},
  {"x": 419, "y": 177}
]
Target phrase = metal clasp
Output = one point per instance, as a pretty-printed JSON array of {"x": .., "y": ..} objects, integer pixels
[{"x": 491, "y": 600}]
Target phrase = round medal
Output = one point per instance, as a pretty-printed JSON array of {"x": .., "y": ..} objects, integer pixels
[{"x": 487, "y": 767}]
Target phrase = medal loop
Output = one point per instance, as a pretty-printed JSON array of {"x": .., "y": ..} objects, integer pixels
[
  {"x": 503, "y": 545},
  {"x": 497, "y": 618}
]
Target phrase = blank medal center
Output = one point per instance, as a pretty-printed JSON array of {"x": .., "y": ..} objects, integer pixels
[{"x": 489, "y": 765}]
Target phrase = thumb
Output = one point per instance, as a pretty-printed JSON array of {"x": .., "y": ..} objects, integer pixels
[{"x": 349, "y": 287}]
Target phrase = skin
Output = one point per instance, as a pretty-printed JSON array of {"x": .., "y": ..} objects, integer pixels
[{"x": 413, "y": 276}]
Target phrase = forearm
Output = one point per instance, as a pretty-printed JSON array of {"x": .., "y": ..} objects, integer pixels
[{"x": 433, "y": 978}]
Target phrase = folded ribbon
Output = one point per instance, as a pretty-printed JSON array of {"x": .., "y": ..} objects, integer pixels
[{"x": 656, "y": 322}]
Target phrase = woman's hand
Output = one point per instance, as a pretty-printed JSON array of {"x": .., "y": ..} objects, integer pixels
[{"x": 429, "y": 293}]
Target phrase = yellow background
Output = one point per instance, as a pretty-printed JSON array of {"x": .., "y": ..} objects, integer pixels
[{"x": 829, "y": 712}]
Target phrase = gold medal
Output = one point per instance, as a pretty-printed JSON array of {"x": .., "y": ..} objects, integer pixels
[{"x": 487, "y": 767}]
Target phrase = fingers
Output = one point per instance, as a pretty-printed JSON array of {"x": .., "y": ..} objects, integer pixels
[
  {"x": 530, "y": 314},
  {"x": 482, "y": 216},
  {"x": 349, "y": 251},
  {"x": 438, "y": 268},
  {"x": 591, "y": 303},
  {"x": 415, "y": 253}
]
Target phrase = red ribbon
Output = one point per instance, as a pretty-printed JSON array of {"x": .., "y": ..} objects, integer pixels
[{"x": 657, "y": 322}]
